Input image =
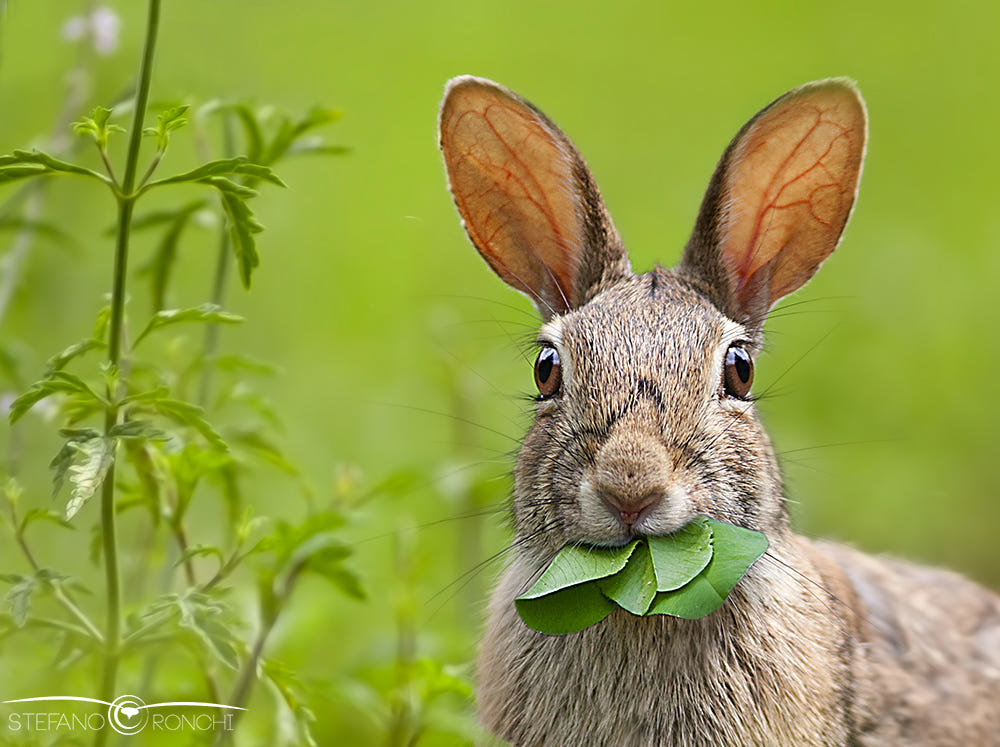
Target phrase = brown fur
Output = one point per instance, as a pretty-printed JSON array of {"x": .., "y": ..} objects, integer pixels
[{"x": 819, "y": 644}]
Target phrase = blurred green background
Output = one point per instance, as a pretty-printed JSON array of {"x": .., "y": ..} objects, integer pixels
[{"x": 398, "y": 349}]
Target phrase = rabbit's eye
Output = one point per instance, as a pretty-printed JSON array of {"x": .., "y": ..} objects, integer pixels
[
  {"x": 737, "y": 374},
  {"x": 548, "y": 372}
]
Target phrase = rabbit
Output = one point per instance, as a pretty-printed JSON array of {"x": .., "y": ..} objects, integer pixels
[{"x": 645, "y": 420}]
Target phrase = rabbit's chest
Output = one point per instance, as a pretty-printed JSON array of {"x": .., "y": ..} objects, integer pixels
[{"x": 659, "y": 680}]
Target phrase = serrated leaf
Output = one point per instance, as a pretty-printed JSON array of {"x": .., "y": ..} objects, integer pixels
[
  {"x": 137, "y": 429},
  {"x": 97, "y": 126},
  {"x": 251, "y": 130},
  {"x": 19, "y": 599},
  {"x": 242, "y": 227},
  {"x": 229, "y": 187},
  {"x": 634, "y": 587},
  {"x": 211, "y": 621},
  {"x": 680, "y": 556},
  {"x": 576, "y": 564},
  {"x": 67, "y": 455},
  {"x": 565, "y": 611},
  {"x": 264, "y": 450},
  {"x": 58, "y": 362},
  {"x": 206, "y": 313},
  {"x": 161, "y": 265},
  {"x": 289, "y": 131},
  {"x": 43, "y": 514},
  {"x": 342, "y": 578},
  {"x": 23, "y": 163},
  {"x": 55, "y": 382},
  {"x": 156, "y": 218},
  {"x": 16, "y": 172},
  {"x": 735, "y": 549},
  {"x": 179, "y": 411},
  {"x": 167, "y": 121},
  {"x": 222, "y": 167},
  {"x": 200, "y": 551},
  {"x": 284, "y": 682},
  {"x": 87, "y": 474},
  {"x": 42, "y": 227}
]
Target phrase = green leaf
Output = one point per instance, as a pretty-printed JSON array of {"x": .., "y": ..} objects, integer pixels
[
  {"x": 161, "y": 265},
  {"x": 13, "y": 173},
  {"x": 137, "y": 429},
  {"x": 735, "y": 550},
  {"x": 68, "y": 454},
  {"x": 201, "y": 551},
  {"x": 289, "y": 689},
  {"x": 177, "y": 410},
  {"x": 212, "y": 621},
  {"x": 19, "y": 599},
  {"x": 634, "y": 587},
  {"x": 87, "y": 474},
  {"x": 242, "y": 227},
  {"x": 680, "y": 556},
  {"x": 260, "y": 447},
  {"x": 312, "y": 146},
  {"x": 166, "y": 122},
  {"x": 568, "y": 610},
  {"x": 156, "y": 218},
  {"x": 43, "y": 514},
  {"x": 342, "y": 578},
  {"x": 251, "y": 130},
  {"x": 16, "y": 165},
  {"x": 207, "y": 312},
  {"x": 687, "y": 574},
  {"x": 42, "y": 227},
  {"x": 96, "y": 126},
  {"x": 575, "y": 564},
  {"x": 55, "y": 382},
  {"x": 290, "y": 131},
  {"x": 59, "y": 361},
  {"x": 238, "y": 166}
]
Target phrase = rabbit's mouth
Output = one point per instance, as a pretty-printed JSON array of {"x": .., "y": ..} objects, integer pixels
[{"x": 609, "y": 518}]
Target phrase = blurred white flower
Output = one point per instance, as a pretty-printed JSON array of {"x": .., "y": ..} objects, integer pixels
[
  {"x": 6, "y": 400},
  {"x": 101, "y": 25}
]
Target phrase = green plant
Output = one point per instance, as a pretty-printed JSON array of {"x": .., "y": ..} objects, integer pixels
[{"x": 154, "y": 442}]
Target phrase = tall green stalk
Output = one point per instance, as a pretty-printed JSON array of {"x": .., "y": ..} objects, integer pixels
[{"x": 126, "y": 204}]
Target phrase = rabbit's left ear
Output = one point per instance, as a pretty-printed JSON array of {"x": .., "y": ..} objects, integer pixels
[
  {"x": 527, "y": 200},
  {"x": 779, "y": 199}
]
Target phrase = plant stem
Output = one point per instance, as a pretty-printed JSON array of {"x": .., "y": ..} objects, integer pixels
[
  {"x": 126, "y": 205},
  {"x": 63, "y": 596},
  {"x": 248, "y": 673},
  {"x": 211, "y": 343}
]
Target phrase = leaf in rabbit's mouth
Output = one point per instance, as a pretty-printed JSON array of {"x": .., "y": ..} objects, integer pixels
[{"x": 685, "y": 574}]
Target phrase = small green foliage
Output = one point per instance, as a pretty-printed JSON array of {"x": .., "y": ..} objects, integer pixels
[
  {"x": 227, "y": 167},
  {"x": 685, "y": 574},
  {"x": 134, "y": 434},
  {"x": 77, "y": 349},
  {"x": 27, "y": 163},
  {"x": 57, "y": 382},
  {"x": 97, "y": 126},
  {"x": 180, "y": 412},
  {"x": 168, "y": 120},
  {"x": 207, "y": 312},
  {"x": 87, "y": 470},
  {"x": 18, "y": 599}
]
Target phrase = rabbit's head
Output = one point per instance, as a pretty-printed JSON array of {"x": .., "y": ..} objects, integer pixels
[{"x": 645, "y": 416}]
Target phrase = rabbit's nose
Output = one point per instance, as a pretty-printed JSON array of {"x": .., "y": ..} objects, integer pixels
[
  {"x": 631, "y": 507},
  {"x": 632, "y": 474}
]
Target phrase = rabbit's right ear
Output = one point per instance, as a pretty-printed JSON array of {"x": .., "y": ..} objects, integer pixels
[
  {"x": 779, "y": 199},
  {"x": 527, "y": 200}
]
